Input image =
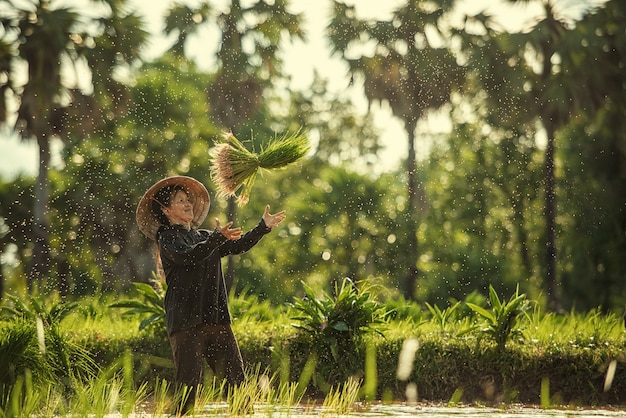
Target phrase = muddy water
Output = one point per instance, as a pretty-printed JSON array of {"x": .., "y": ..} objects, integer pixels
[
  {"x": 401, "y": 410},
  {"x": 511, "y": 412}
]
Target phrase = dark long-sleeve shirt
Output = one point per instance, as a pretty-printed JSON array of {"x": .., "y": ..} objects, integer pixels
[{"x": 196, "y": 291}]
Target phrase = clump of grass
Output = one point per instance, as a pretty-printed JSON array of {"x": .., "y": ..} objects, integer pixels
[
  {"x": 262, "y": 392},
  {"x": 110, "y": 391},
  {"x": 341, "y": 399},
  {"x": 22, "y": 398},
  {"x": 235, "y": 168}
]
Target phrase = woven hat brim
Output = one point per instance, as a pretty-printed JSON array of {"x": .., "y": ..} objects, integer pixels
[{"x": 147, "y": 221}]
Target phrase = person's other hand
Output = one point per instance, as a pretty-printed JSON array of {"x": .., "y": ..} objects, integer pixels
[
  {"x": 227, "y": 231},
  {"x": 272, "y": 220}
]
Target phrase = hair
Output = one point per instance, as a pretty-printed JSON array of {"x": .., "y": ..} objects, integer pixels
[{"x": 163, "y": 199}]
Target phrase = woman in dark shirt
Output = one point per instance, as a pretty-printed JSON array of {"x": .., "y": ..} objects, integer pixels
[{"x": 196, "y": 301}]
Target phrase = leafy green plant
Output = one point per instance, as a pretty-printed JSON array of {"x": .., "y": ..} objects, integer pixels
[
  {"x": 337, "y": 325},
  {"x": 49, "y": 309},
  {"x": 351, "y": 315},
  {"x": 150, "y": 303},
  {"x": 503, "y": 317}
]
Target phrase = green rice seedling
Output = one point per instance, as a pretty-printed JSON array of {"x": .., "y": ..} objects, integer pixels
[
  {"x": 161, "y": 399},
  {"x": 131, "y": 395},
  {"x": 443, "y": 318},
  {"x": 234, "y": 168},
  {"x": 18, "y": 355},
  {"x": 97, "y": 397},
  {"x": 456, "y": 397},
  {"x": 278, "y": 397},
  {"x": 288, "y": 395},
  {"x": 24, "y": 398},
  {"x": 281, "y": 360},
  {"x": 371, "y": 372},
  {"x": 399, "y": 308},
  {"x": 109, "y": 391},
  {"x": 53, "y": 361},
  {"x": 209, "y": 393},
  {"x": 181, "y": 396},
  {"x": 574, "y": 329},
  {"x": 53, "y": 404},
  {"x": 545, "y": 400},
  {"x": 67, "y": 359},
  {"x": 268, "y": 395},
  {"x": 340, "y": 399},
  {"x": 50, "y": 359},
  {"x": 307, "y": 374},
  {"x": 594, "y": 327},
  {"x": 246, "y": 306},
  {"x": 41, "y": 318},
  {"x": 242, "y": 398}
]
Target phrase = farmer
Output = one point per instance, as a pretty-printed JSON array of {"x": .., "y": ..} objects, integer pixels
[{"x": 196, "y": 300}]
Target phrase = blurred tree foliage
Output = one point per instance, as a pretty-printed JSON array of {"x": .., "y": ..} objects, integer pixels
[
  {"x": 482, "y": 219},
  {"x": 406, "y": 62},
  {"x": 166, "y": 132},
  {"x": 41, "y": 42},
  {"x": 248, "y": 62}
]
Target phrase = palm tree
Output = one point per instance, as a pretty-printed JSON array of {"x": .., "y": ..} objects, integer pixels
[
  {"x": 553, "y": 96},
  {"x": 248, "y": 60},
  {"x": 410, "y": 74},
  {"x": 47, "y": 41},
  {"x": 543, "y": 75},
  {"x": 42, "y": 37}
]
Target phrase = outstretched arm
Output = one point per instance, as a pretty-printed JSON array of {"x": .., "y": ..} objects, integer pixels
[
  {"x": 272, "y": 220},
  {"x": 238, "y": 243},
  {"x": 231, "y": 234}
]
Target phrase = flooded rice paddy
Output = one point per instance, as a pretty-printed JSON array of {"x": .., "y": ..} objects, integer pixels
[{"x": 402, "y": 410}]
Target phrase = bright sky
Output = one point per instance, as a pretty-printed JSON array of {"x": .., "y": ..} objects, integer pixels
[{"x": 301, "y": 60}]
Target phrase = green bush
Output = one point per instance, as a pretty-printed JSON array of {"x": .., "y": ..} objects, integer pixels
[
  {"x": 34, "y": 355},
  {"x": 334, "y": 328},
  {"x": 502, "y": 319}
]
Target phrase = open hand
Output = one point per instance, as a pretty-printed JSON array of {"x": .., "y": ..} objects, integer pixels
[
  {"x": 272, "y": 220},
  {"x": 227, "y": 231}
]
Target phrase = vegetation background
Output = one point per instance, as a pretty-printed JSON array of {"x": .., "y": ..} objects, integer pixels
[
  {"x": 527, "y": 189},
  {"x": 526, "y": 193}
]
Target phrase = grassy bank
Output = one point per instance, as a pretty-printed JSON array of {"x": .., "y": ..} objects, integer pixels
[{"x": 466, "y": 353}]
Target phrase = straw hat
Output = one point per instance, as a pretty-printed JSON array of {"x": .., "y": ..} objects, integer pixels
[{"x": 148, "y": 222}]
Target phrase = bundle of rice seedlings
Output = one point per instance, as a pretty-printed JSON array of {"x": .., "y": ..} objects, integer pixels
[{"x": 234, "y": 168}]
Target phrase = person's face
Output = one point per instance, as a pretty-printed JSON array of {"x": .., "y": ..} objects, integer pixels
[{"x": 180, "y": 210}]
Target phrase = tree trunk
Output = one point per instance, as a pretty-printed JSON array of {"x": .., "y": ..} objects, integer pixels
[
  {"x": 411, "y": 250},
  {"x": 40, "y": 261},
  {"x": 1, "y": 279},
  {"x": 550, "y": 219},
  {"x": 522, "y": 234}
]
